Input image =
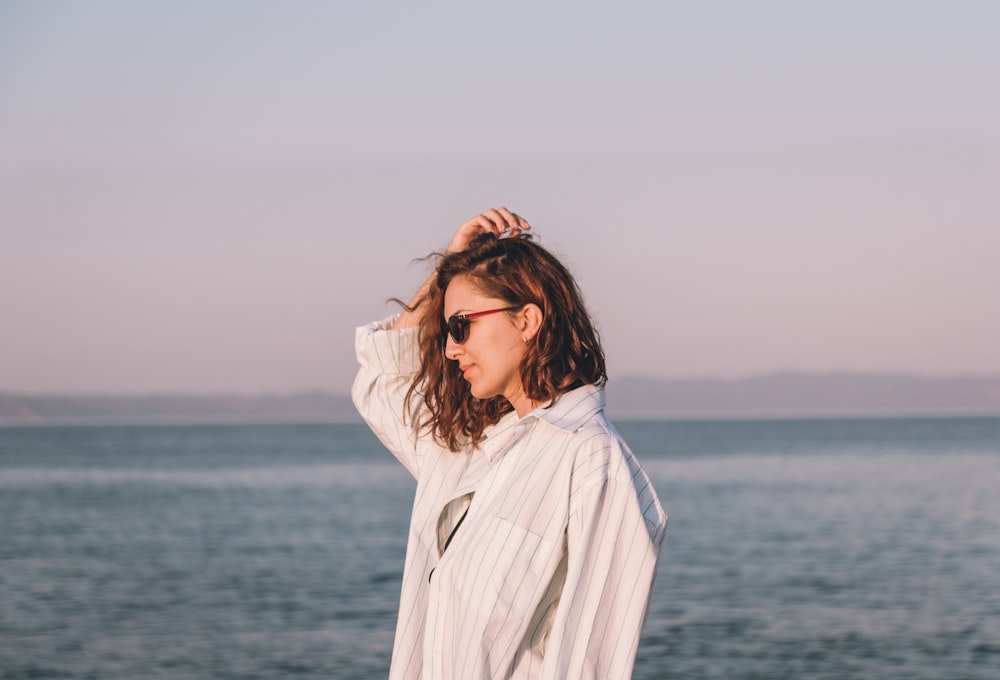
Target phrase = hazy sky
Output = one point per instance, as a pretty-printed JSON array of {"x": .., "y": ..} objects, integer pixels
[{"x": 210, "y": 196}]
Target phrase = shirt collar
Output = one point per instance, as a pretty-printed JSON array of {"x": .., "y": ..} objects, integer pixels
[
  {"x": 571, "y": 410},
  {"x": 569, "y": 413}
]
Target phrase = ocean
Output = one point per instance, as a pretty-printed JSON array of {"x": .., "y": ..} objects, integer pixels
[{"x": 865, "y": 548}]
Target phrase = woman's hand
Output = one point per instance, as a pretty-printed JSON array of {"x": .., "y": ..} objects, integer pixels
[{"x": 496, "y": 220}]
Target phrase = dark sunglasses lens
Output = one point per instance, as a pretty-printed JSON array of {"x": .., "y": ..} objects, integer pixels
[{"x": 457, "y": 329}]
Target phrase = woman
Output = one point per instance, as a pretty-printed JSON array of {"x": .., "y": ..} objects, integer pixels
[{"x": 535, "y": 534}]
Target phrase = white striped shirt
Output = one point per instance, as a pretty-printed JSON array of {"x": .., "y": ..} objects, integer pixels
[{"x": 550, "y": 572}]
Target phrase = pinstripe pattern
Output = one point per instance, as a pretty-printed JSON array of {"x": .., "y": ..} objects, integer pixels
[{"x": 550, "y": 572}]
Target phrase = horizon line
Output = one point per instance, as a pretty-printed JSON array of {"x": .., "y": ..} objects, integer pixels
[{"x": 262, "y": 393}]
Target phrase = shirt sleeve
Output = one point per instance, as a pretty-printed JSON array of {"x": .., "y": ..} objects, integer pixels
[
  {"x": 613, "y": 546},
  {"x": 389, "y": 359}
]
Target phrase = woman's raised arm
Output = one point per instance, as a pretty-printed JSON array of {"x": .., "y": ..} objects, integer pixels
[{"x": 389, "y": 357}]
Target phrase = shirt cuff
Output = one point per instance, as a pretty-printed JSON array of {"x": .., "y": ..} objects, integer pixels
[{"x": 388, "y": 350}]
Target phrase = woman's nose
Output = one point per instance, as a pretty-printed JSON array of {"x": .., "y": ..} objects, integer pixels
[{"x": 451, "y": 348}]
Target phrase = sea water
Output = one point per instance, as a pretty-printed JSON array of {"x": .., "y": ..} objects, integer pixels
[{"x": 795, "y": 549}]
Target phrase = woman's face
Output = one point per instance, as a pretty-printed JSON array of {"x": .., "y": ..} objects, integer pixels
[{"x": 490, "y": 357}]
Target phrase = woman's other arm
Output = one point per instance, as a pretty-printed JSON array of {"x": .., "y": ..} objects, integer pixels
[{"x": 616, "y": 528}]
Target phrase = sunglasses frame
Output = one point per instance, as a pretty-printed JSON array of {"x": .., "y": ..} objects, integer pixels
[{"x": 458, "y": 324}]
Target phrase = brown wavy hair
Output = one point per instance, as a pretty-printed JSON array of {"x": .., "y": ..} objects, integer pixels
[{"x": 564, "y": 354}]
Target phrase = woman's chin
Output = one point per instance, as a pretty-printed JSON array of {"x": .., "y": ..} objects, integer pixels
[{"x": 481, "y": 393}]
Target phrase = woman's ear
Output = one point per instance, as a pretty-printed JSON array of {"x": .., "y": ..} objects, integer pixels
[{"x": 531, "y": 320}]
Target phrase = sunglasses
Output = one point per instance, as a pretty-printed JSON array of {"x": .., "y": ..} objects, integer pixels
[{"x": 458, "y": 325}]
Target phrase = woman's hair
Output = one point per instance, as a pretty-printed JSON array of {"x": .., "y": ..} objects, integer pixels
[{"x": 564, "y": 354}]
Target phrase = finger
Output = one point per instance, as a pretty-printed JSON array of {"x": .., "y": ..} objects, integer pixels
[
  {"x": 488, "y": 224},
  {"x": 514, "y": 220},
  {"x": 498, "y": 220},
  {"x": 509, "y": 219},
  {"x": 516, "y": 223},
  {"x": 477, "y": 224}
]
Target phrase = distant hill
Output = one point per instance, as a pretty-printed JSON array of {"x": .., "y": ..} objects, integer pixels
[
  {"x": 804, "y": 394},
  {"x": 772, "y": 396},
  {"x": 175, "y": 408}
]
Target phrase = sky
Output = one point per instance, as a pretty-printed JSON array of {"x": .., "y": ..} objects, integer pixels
[{"x": 210, "y": 197}]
